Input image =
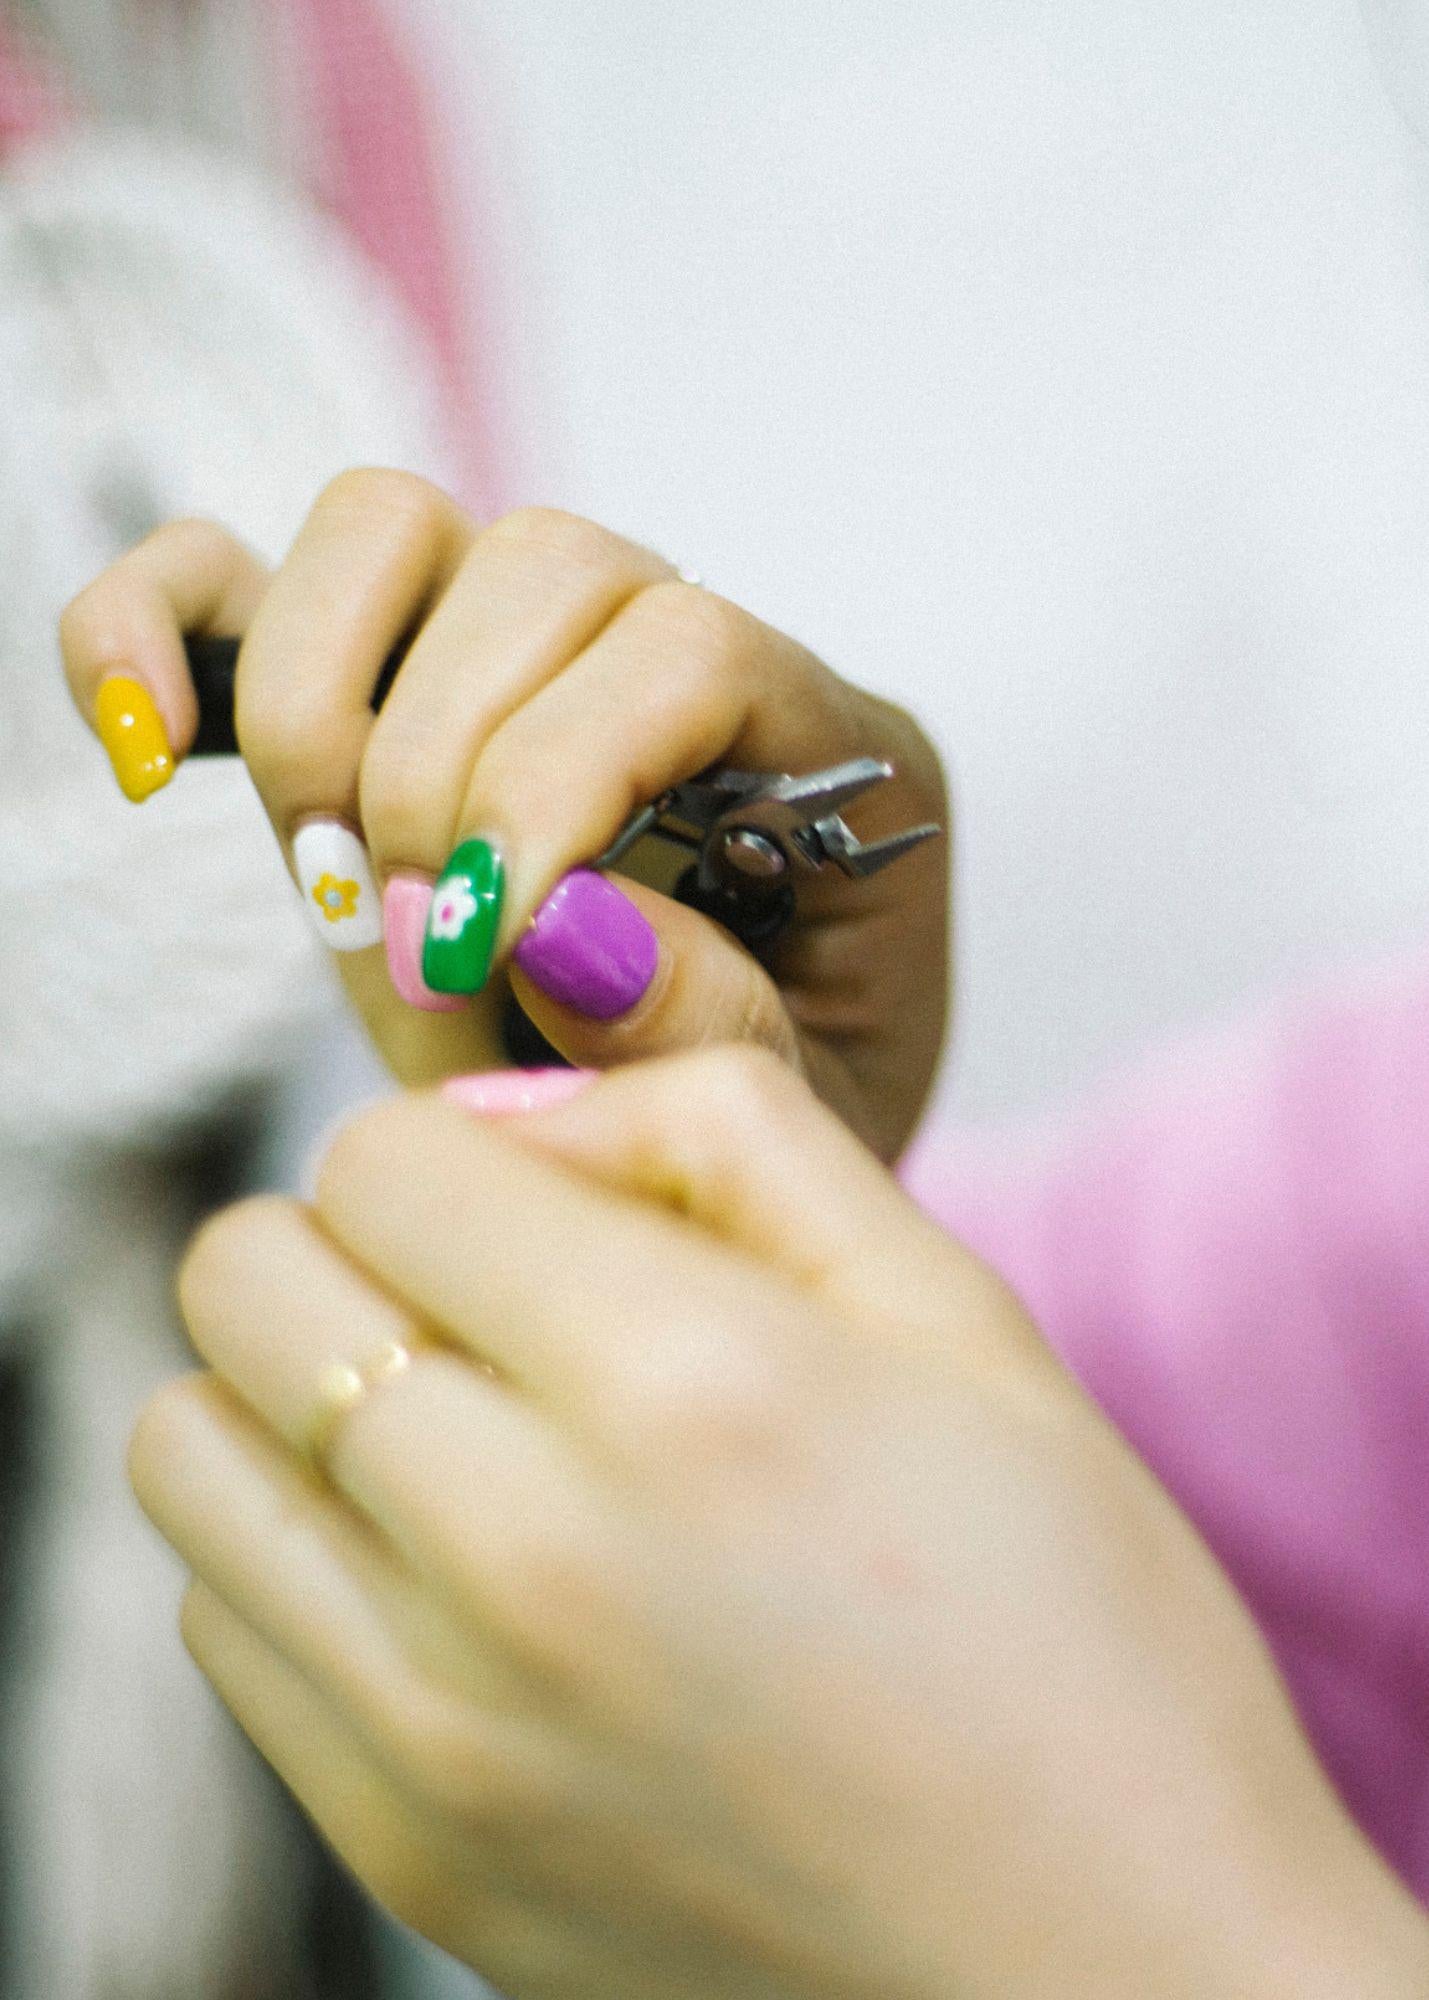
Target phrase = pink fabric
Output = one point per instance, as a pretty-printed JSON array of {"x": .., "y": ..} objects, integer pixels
[{"x": 1232, "y": 1253}]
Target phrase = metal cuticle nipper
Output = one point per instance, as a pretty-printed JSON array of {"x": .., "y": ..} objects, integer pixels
[{"x": 754, "y": 833}]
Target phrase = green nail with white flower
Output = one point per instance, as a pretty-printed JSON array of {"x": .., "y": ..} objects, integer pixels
[{"x": 463, "y": 919}]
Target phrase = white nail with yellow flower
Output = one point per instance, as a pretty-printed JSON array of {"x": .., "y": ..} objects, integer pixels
[{"x": 339, "y": 893}]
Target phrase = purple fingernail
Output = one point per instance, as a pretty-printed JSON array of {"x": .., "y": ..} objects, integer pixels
[{"x": 589, "y": 947}]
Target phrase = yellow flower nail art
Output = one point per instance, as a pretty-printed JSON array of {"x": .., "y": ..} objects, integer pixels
[{"x": 336, "y": 899}]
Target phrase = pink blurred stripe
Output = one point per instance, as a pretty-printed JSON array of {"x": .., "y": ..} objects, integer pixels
[
  {"x": 33, "y": 97},
  {"x": 379, "y": 153}
]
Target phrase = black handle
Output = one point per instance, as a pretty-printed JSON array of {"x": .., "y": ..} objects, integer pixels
[{"x": 213, "y": 663}]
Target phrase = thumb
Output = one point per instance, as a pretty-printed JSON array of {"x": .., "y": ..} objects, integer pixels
[{"x": 700, "y": 986}]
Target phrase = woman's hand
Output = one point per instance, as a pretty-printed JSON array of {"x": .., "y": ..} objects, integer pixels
[
  {"x": 557, "y": 677},
  {"x": 718, "y": 1589}
]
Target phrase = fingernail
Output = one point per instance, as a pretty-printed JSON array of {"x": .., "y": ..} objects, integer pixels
[
  {"x": 463, "y": 918},
  {"x": 133, "y": 734},
  {"x": 501, "y": 1093},
  {"x": 405, "y": 903},
  {"x": 335, "y": 877},
  {"x": 589, "y": 947}
]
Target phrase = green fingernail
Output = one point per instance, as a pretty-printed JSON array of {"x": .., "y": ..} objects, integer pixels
[{"x": 461, "y": 924}]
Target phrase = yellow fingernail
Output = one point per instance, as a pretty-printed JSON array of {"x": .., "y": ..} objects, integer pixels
[{"x": 132, "y": 732}]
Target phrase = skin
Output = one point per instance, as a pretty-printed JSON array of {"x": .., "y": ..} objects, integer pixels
[
  {"x": 742, "y": 1605},
  {"x": 558, "y": 677}
]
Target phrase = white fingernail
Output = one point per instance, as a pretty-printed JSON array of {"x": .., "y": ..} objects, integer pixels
[{"x": 339, "y": 893}]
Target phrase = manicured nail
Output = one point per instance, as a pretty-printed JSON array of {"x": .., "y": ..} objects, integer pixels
[
  {"x": 463, "y": 918},
  {"x": 335, "y": 877},
  {"x": 405, "y": 903},
  {"x": 589, "y": 947},
  {"x": 501, "y": 1093},
  {"x": 132, "y": 731}
]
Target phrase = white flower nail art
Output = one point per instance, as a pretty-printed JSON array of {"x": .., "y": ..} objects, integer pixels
[
  {"x": 452, "y": 909},
  {"x": 339, "y": 893}
]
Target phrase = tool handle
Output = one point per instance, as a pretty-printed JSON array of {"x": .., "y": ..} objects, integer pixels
[{"x": 213, "y": 664}]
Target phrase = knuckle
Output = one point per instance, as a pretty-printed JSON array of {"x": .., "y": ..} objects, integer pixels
[
  {"x": 695, "y": 624},
  {"x": 78, "y": 623},
  {"x": 191, "y": 541},
  {"x": 386, "y": 495},
  {"x": 85, "y": 624},
  {"x": 550, "y": 531},
  {"x": 743, "y": 1087},
  {"x": 191, "y": 536},
  {"x": 705, "y": 1405}
]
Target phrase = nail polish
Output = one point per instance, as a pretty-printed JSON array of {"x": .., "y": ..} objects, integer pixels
[
  {"x": 502, "y": 1093},
  {"x": 405, "y": 903},
  {"x": 335, "y": 877},
  {"x": 463, "y": 919},
  {"x": 589, "y": 947},
  {"x": 132, "y": 731}
]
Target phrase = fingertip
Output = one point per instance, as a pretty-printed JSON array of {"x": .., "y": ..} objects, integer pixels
[
  {"x": 406, "y": 903},
  {"x": 589, "y": 947},
  {"x": 505, "y": 1093},
  {"x": 135, "y": 734}
]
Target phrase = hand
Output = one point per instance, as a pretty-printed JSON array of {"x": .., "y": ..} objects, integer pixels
[
  {"x": 557, "y": 677},
  {"x": 732, "y": 1597}
]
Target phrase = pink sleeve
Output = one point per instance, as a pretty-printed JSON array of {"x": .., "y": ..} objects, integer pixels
[{"x": 1233, "y": 1256}]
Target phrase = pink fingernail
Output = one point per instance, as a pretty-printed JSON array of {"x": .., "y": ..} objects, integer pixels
[
  {"x": 501, "y": 1093},
  {"x": 405, "y": 903}
]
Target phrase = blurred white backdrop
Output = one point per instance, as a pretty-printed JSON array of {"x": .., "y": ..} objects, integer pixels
[{"x": 1062, "y": 370}]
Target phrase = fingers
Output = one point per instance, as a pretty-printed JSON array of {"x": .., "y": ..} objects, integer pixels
[
  {"x": 425, "y": 1823},
  {"x": 471, "y": 1486},
  {"x": 282, "y": 1551},
  {"x": 295, "y": 1330},
  {"x": 375, "y": 549},
  {"x": 495, "y": 614},
  {"x": 732, "y": 1139},
  {"x": 369, "y": 1819},
  {"x": 122, "y": 640},
  {"x": 581, "y": 960},
  {"x": 677, "y": 680},
  {"x": 588, "y": 1301},
  {"x": 537, "y": 586}
]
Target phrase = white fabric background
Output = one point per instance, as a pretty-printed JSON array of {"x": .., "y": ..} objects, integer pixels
[{"x": 1063, "y": 370}]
